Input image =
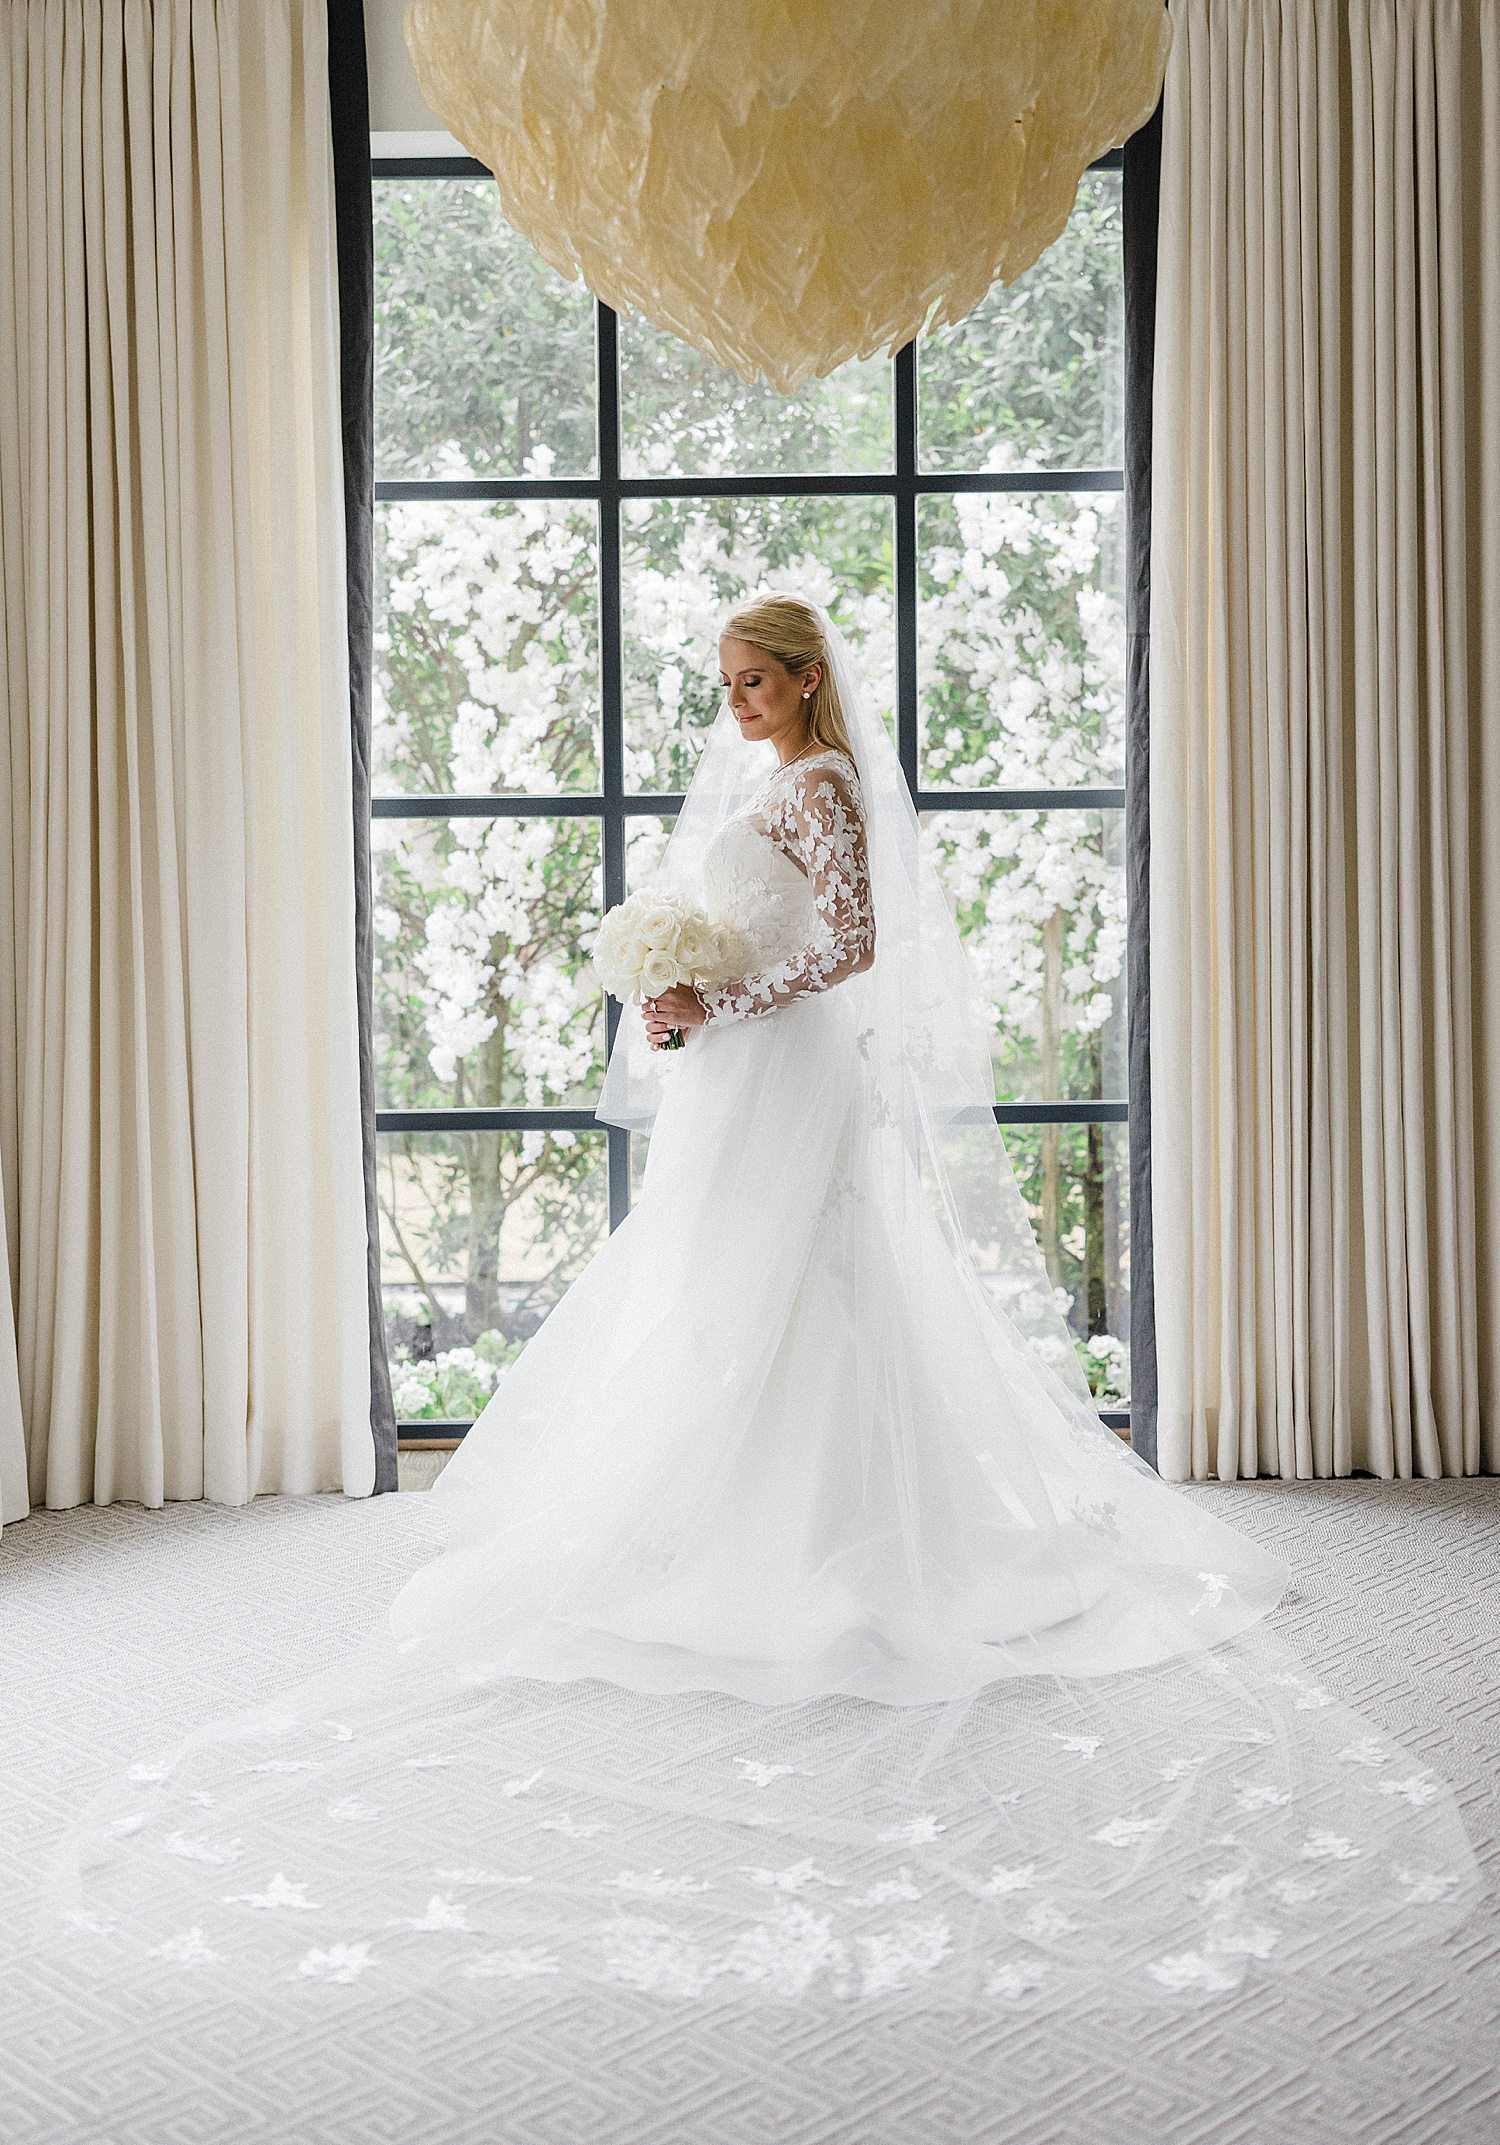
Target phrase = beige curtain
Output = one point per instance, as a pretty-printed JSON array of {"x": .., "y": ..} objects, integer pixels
[
  {"x": 1325, "y": 740},
  {"x": 14, "y": 1498},
  {"x": 179, "y": 1110}
]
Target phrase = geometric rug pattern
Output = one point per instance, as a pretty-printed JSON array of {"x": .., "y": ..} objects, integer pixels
[{"x": 120, "y": 1628}]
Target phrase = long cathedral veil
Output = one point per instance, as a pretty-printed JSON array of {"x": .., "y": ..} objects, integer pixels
[
  {"x": 918, "y": 1011},
  {"x": 1148, "y": 1800}
]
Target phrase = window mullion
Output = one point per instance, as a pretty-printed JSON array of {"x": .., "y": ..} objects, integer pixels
[
  {"x": 905, "y": 387},
  {"x": 611, "y": 695}
]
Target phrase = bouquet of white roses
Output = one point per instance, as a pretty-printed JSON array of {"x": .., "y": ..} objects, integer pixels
[{"x": 655, "y": 939}]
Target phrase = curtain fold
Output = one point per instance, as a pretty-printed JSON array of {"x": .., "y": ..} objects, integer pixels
[
  {"x": 1325, "y": 690},
  {"x": 179, "y": 1106}
]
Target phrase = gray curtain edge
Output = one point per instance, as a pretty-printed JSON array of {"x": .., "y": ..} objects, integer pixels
[
  {"x": 349, "y": 112},
  {"x": 1140, "y": 200}
]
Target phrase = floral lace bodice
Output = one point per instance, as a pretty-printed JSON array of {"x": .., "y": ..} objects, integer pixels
[{"x": 791, "y": 874}]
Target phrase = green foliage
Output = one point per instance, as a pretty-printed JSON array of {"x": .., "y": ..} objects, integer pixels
[
  {"x": 1032, "y": 379},
  {"x": 453, "y": 1386},
  {"x": 683, "y": 415},
  {"x": 478, "y": 343}
]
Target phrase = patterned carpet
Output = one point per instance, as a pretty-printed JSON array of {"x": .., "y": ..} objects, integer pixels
[{"x": 121, "y": 1627}]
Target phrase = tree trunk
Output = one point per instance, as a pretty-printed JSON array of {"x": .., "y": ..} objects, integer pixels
[
  {"x": 484, "y": 1166},
  {"x": 1052, "y": 952}
]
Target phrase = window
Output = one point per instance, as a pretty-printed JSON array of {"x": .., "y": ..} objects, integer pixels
[{"x": 565, "y": 505}]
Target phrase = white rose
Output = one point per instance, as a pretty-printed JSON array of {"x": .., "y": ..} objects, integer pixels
[
  {"x": 659, "y": 926},
  {"x": 694, "y": 947},
  {"x": 607, "y": 967},
  {"x": 658, "y": 973},
  {"x": 729, "y": 955},
  {"x": 633, "y": 955},
  {"x": 610, "y": 936}
]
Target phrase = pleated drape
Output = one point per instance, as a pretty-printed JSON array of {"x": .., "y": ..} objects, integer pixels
[
  {"x": 179, "y": 1105},
  {"x": 1325, "y": 693}
]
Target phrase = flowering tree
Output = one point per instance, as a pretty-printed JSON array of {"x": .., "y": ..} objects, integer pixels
[{"x": 487, "y": 665}]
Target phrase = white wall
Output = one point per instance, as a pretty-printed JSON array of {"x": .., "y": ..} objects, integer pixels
[{"x": 396, "y": 104}]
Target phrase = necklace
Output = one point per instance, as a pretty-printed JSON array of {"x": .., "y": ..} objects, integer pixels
[{"x": 796, "y": 756}]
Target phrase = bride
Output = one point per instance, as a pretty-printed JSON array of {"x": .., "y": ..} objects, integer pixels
[{"x": 799, "y": 1630}]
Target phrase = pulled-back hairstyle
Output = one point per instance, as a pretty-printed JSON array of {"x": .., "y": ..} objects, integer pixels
[{"x": 788, "y": 628}]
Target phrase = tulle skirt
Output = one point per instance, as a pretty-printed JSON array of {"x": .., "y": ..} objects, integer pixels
[
  {"x": 778, "y": 1440},
  {"x": 799, "y": 1634}
]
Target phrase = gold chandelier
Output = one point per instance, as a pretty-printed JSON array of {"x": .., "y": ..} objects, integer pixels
[{"x": 787, "y": 184}]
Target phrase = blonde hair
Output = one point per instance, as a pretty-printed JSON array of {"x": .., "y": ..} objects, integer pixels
[{"x": 788, "y": 628}]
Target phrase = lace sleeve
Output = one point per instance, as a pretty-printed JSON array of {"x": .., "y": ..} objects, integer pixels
[{"x": 818, "y": 821}]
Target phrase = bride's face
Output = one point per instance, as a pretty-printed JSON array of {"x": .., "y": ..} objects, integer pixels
[{"x": 767, "y": 699}]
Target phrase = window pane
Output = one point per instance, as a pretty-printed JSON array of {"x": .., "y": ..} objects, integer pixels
[
  {"x": 685, "y": 562},
  {"x": 645, "y": 839},
  {"x": 683, "y": 415},
  {"x": 1033, "y": 379},
  {"x": 1040, "y": 901},
  {"x": 1075, "y": 1180},
  {"x": 484, "y": 997},
  {"x": 484, "y": 356},
  {"x": 481, "y": 1233},
  {"x": 1021, "y": 640},
  {"x": 486, "y": 647}
]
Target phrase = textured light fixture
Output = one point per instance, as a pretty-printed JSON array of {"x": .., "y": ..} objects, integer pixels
[{"x": 790, "y": 183}]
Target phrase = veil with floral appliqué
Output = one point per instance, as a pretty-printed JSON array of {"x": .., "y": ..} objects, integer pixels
[
  {"x": 919, "y": 1015},
  {"x": 1127, "y": 1806}
]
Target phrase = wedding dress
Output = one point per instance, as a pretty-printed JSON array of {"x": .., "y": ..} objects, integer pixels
[{"x": 800, "y": 1631}]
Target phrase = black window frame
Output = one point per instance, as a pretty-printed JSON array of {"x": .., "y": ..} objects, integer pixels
[{"x": 905, "y": 485}]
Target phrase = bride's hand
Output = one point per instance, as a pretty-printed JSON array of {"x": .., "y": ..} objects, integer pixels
[{"x": 680, "y": 1007}]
